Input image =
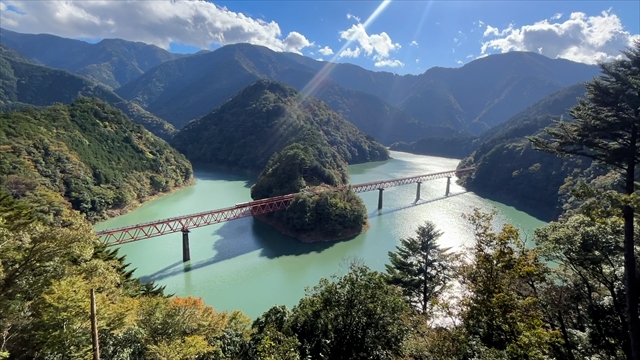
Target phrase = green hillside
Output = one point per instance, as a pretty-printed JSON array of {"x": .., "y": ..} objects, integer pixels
[
  {"x": 88, "y": 152},
  {"x": 264, "y": 118},
  {"x": 23, "y": 83},
  {"x": 510, "y": 170}
]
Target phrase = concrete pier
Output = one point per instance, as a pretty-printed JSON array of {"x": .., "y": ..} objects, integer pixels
[
  {"x": 448, "y": 186},
  {"x": 186, "y": 254},
  {"x": 418, "y": 191},
  {"x": 380, "y": 198}
]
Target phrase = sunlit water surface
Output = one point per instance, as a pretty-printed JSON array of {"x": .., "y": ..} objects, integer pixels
[{"x": 244, "y": 264}]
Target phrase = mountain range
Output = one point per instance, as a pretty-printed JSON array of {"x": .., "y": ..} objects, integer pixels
[
  {"x": 483, "y": 110},
  {"x": 112, "y": 62},
  {"x": 440, "y": 102}
]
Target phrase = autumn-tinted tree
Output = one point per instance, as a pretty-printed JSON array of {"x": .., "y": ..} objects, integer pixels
[
  {"x": 420, "y": 267},
  {"x": 606, "y": 128}
]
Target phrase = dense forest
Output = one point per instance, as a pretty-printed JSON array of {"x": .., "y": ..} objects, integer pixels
[{"x": 88, "y": 155}]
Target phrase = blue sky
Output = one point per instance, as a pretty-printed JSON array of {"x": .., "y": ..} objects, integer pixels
[{"x": 404, "y": 37}]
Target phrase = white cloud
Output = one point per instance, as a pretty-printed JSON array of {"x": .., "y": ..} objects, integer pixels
[
  {"x": 389, "y": 63},
  {"x": 414, "y": 43},
  {"x": 556, "y": 16},
  {"x": 491, "y": 31},
  {"x": 417, "y": 61},
  {"x": 458, "y": 62},
  {"x": 469, "y": 56},
  {"x": 192, "y": 22},
  {"x": 349, "y": 16},
  {"x": 480, "y": 23},
  {"x": 482, "y": 56},
  {"x": 456, "y": 40},
  {"x": 453, "y": 50},
  {"x": 581, "y": 38},
  {"x": 378, "y": 45},
  {"x": 326, "y": 51},
  {"x": 350, "y": 53}
]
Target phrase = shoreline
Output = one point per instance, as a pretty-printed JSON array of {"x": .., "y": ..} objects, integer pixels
[
  {"x": 113, "y": 213},
  {"x": 309, "y": 238}
]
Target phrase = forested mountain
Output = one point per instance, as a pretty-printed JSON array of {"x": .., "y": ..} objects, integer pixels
[
  {"x": 90, "y": 153},
  {"x": 510, "y": 170},
  {"x": 112, "y": 62},
  {"x": 474, "y": 97},
  {"x": 489, "y": 91},
  {"x": 187, "y": 88},
  {"x": 24, "y": 83},
  {"x": 264, "y": 118}
]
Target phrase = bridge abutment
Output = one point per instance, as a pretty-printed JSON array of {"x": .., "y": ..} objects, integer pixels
[
  {"x": 448, "y": 186},
  {"x": 418, "y": 191},
  {"x": 380, "y": 190},
  {"x": 186, "y": 254}
]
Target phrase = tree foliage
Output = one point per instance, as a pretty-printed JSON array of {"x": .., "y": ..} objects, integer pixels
[
  {"x": 606, "y": 128},
  {"x": 420, "y": 267}
]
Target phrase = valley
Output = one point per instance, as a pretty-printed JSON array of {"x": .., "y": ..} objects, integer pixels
[{"x": 529, "y": 254}]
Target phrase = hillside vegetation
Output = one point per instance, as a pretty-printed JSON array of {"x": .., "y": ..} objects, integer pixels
[
  {"x": 88, "y": 152},
  {"x": 264, "y": 118},
  {"x": 510, "y": 170},
  {"x": 23, "y": 83},
  {"x": 111, "y": 62}
]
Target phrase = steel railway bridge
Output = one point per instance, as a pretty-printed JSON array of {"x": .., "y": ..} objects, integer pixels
[{"x": 127, "y": 234}]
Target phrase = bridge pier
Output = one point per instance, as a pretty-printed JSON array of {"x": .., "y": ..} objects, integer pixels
[
  {"x": 380, "y": 190},
  {"x": 186, "y": 254},
  {"x": 418, "y": 191},
  {"x": 448, "y": 186}
]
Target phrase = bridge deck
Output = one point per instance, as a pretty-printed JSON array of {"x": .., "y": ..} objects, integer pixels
[{"x": 151, "y": 229}]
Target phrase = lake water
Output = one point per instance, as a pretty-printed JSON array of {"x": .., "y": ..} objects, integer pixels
[{"x": 246, "y": 265}]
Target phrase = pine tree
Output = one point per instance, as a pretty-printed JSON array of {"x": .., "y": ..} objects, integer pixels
[
  {"x": 420, "y": 267},
  {"x": 606, "y": 129}
]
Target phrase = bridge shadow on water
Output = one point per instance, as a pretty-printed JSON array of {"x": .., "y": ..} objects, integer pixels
[
  {"x": 384, "y": 211},
  {"x": 235, "y": 241}
]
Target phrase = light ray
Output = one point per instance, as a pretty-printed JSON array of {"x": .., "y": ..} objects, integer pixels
[{"x": 313, "y": 85}]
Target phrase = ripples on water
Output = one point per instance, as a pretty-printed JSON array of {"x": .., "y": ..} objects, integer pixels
[{"x": 244, "y": 264}]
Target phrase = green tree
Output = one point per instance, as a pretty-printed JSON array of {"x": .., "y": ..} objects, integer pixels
[
  {"x": 606, "y": 129},
  {"x": 500, "y": 309},
  {"x": 586, "y": 299},
  {"x": 356, "y": 316},
  {"x": 420, "y": 267}
]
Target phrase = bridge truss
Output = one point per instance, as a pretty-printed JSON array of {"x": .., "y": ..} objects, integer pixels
[{"x": 152, "y": 229}]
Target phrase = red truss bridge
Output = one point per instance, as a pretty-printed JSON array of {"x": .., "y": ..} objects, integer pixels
[{"x": 182, "y": 224}]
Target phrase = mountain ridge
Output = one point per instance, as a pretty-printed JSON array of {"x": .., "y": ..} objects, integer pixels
[
  {"x": 112, "y": 62},
  {"x": 23, "y": 83}
]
